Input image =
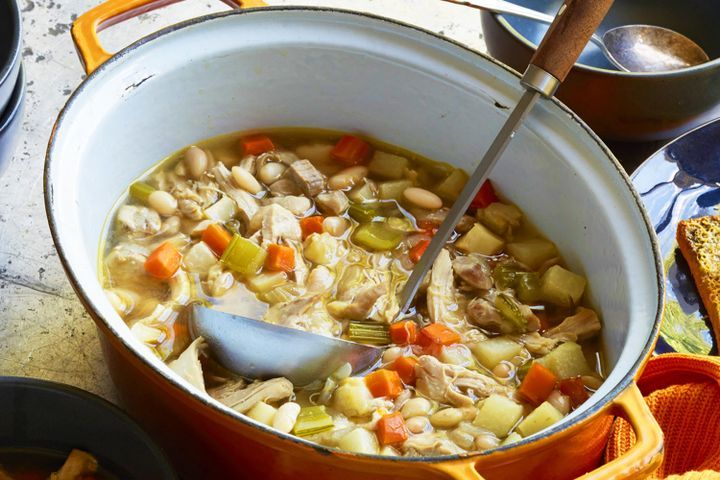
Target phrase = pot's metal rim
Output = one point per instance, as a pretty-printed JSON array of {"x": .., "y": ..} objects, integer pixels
[
  {"x": 709, "y": 65},
  {"x": 15, "y": 102},
  {"x": 14, "y": 58},
  {"x": 233, "y": 416}
]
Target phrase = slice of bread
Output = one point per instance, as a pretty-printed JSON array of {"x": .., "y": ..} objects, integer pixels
[{"x": 699, "y": 241}]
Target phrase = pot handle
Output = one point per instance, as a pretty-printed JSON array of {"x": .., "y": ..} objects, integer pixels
[
  {"x": 641, "y": 460},
  {"x": 85, "y": 29}
]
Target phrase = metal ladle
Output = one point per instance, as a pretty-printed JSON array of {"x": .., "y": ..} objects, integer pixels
[
  {"x": 631, "y": 48},
  {"x": 261, "y": 350}
]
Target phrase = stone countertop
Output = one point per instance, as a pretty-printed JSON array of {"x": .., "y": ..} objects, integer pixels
[{"x": 44, "y": 330}]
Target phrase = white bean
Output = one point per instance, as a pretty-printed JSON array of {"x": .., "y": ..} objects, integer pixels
[
  {"x": 423, "y": 198},
  {"x": 446, "y": 418},
  {"x": 162, "y": 202},
  {"x": 245, "y": 180},
  {"x": 416, "y": 407},
  {"x": 271, "y": 172},
  {"x": 196, "y": 161},
  {"x": 391, "y": 354},
  {"x": 286, "y": 417},
  {"x": 418, "y": 424},
  {"x": 348, "y": 177},
  {"x": 336, "y": 226},
  {"x": 486, "y": 442},
  {"x": 559, "y": 401},
  {"x": 503, "y": 370}
]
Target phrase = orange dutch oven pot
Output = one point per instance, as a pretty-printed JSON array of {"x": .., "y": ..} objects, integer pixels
[{"x": 327, "y": 68}]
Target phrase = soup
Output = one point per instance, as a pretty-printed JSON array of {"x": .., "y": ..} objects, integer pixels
[{"x": 318, "y": 231}]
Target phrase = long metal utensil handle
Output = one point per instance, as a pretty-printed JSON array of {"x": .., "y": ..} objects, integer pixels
[{"x": 566, "y": 38}]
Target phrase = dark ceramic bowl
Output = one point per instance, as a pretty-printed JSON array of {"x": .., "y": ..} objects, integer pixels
[
  {"x": 37, "y": 414},
  {"x": 621, "y": 105},
  {"x": 10, "y": 121},
  {"x": 10, "y": 42}
]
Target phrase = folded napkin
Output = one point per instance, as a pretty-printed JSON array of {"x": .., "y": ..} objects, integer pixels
[{"x": 683, "y": 393}]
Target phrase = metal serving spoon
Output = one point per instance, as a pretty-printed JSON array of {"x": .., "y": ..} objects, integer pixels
[
  {"x": 631, "y": 48},
  {"x": 261, "y": 350}
]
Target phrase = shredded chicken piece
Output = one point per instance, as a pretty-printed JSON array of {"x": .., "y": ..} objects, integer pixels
[
  {"x": 454, "y": 384},
  {"x": 218, "y": 281},
  {"x": 474, "y": 270},
  {"x": 227, "y": 389},
  {"x": 537, "y": 344},
  {"x": 296, "y": 204},
  {"x": 246, "y": 203},
  {"x": 248, "y": 163},
  {"x": 190, "y": 209},
  {"x": 276, "y": 224},
  {"x": 430, "y": 444},
  {"x": 301, "y": 269},
  {"x": 137, "y": 219},
  {"x": 188, "y": 366},
  {"x": 284, "y": 187},
  {"x": 304, "y": 313},
  {"x": 482, "y": 313},
  {"x": 320, "y": 279},
  {"x": 361, "y": 306},
  {"x": 279, "y": 156},
  {"x": 76, "y": 467},
  {"x": 180, "y": 291},
  {"x": 244, "y": 399},
  {"x": 441, "y": 301},
  {"x": 581, "y": 326},
  {"x": 332, "y": 203},
  {"x": 307, "y": 177}
]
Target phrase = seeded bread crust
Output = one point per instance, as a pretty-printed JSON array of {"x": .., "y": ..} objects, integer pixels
[{"x": 699, "y": 241}]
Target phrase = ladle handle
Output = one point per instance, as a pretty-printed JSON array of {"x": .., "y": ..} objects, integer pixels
[{"x": 567, "y": 36}]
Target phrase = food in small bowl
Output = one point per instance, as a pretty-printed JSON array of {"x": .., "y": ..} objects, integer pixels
[{"x": 318, "y": 231}]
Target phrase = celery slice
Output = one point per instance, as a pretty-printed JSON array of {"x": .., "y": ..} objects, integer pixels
[
  {"x": 370, "y": 333},
  {"x": 243, "y": 256},
  {"x": 312, "y": 420},
  {"x": 141, "y": 191},
  {"x": 283, "y": 293},
  {"x": 505, "y": 275},
  {"x": 377, "y": 236},
  {"x": 527, "y": 286},
  {"x": 510, "y": 311}
]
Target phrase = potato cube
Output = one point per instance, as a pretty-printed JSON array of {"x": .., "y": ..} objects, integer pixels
[
  {"x": 539, "y": 419},
  {"x": 359, "y": 440},
  {"x": 352, "y": 398},
  {"x": 480, "y": 240},
  {"x": 499, "y": 217},
  {"x": 387, "y": 165},
  {"x": 263, "y": 413},
  {"x": 532, "y": 253},
  {"x": 562, "y": 287},
  {"x": 566, "y": 361},
  {"x": 450, "y": 188},
  {"x": 492, "y": 351},
  {"x": 514, "y": 437},
  {"x": 498, "y": 414}
]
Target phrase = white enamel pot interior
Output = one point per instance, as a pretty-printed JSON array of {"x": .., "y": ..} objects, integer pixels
[{"x": 344, "y": 71}]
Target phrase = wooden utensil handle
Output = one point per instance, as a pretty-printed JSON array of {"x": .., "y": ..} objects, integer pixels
[{"x": 575, "y": 23}]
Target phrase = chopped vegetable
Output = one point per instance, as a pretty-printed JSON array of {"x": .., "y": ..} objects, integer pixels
[
  {"x": 527, "y": 287},
  {"x": 416, "y": 252},
  {"x": 485, "y": 196},
  {"x": 384, "y": 383},
  {"x": 387, "y": 165},
  {"x": 566, "y": 361},
  {"x": 501, "y": 218},
  {"x": 310, "y": 225},
  {"x": 405, "y": 367},
  {"x": 514, "y": 437},
  {"x": 281, "y": 294},
  {"x": 280, "y": 258},
  {"x": 321, "y": 248},
  {"x": 263, "y": 413},
  {"x": 494, "y": 350},
  {"x": 401, "y": 224},
  {"x": 352, "y": 398},
  {"x": 141, "y": 191},
  {"x": 480, "y": 240},
  {"x": 266, "y": 281},
  {"x": 367, "y": 212},
  {"x": 541, "y": 418},
  {"x": 377, "y": 236},
  {"x": 562, "y": 287},
  {"x": 363, "y": 192},
  {"x": 217, "y": 238},
  {"x": 393, "y": 189},
  {"x": 256, "y": 144},
  {"x": 223, "y": 210},
  {"x": 404, "y": 332},
  {"x": 163, "y": 262},
  {"x": 370, "y": 333},
  {"x": 437, "y": 334},
  {"x": 351, "y": 150},
  {"x": 505, "y": 274},
  {"x": 532, "y": 253},
  {"x": 450, "y": 188},
  {"x": 509, "y": 308},
  {"x": 199, "y": 259},
  {"x": 312, "y": 420},
  {"x": 391, "y": 429},
  {"x": 575, "y": 389},
  {"x": 498, "y": 414},
  {"x": 538, "y": 384},
  {"x": 243, "y": 256},
  {"x": 359, "y": 440}
]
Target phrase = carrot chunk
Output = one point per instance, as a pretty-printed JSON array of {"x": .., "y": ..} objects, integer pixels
[
  {"x": 280, "y": 258},
  {"x": 256, "y": 144},
  {"x": 417, "y": 251},
  {"x": 391, "y": 429},
  {"x": 384, "y": 383},
  {"x": 575, "y": 389},
  {"x": 403, "y": 333},
  {"x": 163, "y": 262},
  {"x": 538, "y": 384},
  {"x": 217, "y": 238},
  {"x": 310, "y": 225},
  {"x": 405, "y": 367},
  {"x": 437, "y": 334},
  {"x": 485, "y": 196},
  {"x": 351, "y": 150}
]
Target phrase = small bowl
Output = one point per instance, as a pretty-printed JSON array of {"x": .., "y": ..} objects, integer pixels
[
  {"x": 48, "y": 416},
  {"x": 622, "y": 105},
  {"x": 10, "y": 45},
  {"x": 10, "y": 121}
]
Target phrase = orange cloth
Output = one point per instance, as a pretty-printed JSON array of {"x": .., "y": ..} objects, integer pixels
[{"x": 683, "y": 393}]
